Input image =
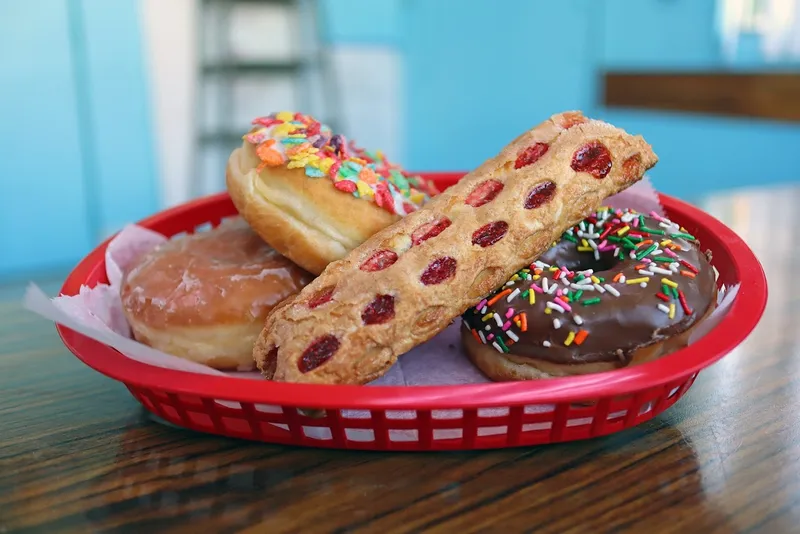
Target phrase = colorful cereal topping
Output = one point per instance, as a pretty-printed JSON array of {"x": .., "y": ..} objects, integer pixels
[{"x": 299, "y": 141}]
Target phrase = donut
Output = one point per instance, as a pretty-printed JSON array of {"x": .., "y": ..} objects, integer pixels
[
  {"x": 619, "y": 289},
  {"x": 204, "y": 297},
  {"x": 409, "y": 281},
  {"x": 312, "y": 194}
]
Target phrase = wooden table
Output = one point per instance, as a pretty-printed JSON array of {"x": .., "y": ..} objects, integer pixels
[{"x": 77, "y": 453}]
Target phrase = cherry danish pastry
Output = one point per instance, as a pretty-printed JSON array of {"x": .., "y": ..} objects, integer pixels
[{"x": 408, "y": 282}]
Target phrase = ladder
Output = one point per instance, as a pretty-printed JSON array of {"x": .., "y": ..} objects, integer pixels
[{"x": 294, "y": 29}]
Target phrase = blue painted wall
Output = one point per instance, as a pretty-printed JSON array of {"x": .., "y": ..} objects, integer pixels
[
  {"x": 43, "y": 211},
  {"x": 478, "y": 76},
  {"x": 77, "y": 155},
  {"x": 369, "y": 22},
  {"x": 77, "y": 140},
  {"x": 673, "y": 34},
  {"x": 702, "y": 155},
  {"x": 658, "y": 34},
  {"x": 698, "y": 154},
  {"x": 122, "y": 140}
]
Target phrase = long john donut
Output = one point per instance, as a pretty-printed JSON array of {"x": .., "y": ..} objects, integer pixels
[{"x": 409, "y": 281}]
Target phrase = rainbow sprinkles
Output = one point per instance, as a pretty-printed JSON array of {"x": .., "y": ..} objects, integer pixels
[
  {"x": 562, "y": 297},
  {"x": 299, "y": 141}
]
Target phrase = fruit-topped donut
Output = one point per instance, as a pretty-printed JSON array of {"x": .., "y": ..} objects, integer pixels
[
  {"x": 620, "y": 288},
  {"x": 314, "y": 195}
]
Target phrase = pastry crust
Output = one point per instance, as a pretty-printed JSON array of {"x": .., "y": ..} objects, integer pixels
[{"x": 362, "y": 319}]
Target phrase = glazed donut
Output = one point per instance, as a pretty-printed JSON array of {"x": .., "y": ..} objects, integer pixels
[
  {"x": 619, "y": 289},
  {"x": 204, "y": 297},
  {"x": 409, "y": 281},
  {"x": 313, "y": 195}
]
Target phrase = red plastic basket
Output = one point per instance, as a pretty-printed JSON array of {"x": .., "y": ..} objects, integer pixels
[{"x": 476, "y": 416}]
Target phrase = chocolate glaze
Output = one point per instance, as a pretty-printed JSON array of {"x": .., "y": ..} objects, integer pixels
[{"x": 616, "y": 326}]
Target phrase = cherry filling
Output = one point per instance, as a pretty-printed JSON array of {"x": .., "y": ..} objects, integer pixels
[
  {"x": 271, "y": 362},
  {"x": 429, "y": 230},
  {"x": 540, "y": 194},
  {"x": 438, "y": 271},
  {"x": 490, "y": 234},
  {"x": 319, "y": 352},
  {"x": 484, "y": 193},
  {"x": 593, "y": 158},
  {"x": 379, "y": 311},
  {"x": 379, "y": 261},
  {"x": 531, "y": 155},
  {"x": 630, "y": 167},
  {"x": 321, "y": 297}
]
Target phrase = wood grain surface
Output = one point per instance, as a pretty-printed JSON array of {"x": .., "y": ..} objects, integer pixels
[{"x": 78, "y": 454}]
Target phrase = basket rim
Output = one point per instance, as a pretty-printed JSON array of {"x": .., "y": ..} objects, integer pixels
[{"x": 745, "y": 313}]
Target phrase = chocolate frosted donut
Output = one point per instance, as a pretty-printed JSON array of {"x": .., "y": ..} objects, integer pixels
[{"x": 619, "y": 289}]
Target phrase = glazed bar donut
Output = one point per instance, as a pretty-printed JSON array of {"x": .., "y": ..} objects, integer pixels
[
  {"x": 619, "y": 289},
  {"x": 409, "y": 281},
  {"x": 204, "y": 297},
  {"x": 312, "y": 194}
]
